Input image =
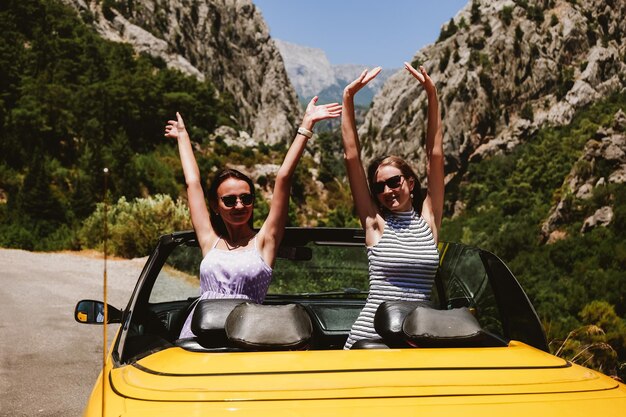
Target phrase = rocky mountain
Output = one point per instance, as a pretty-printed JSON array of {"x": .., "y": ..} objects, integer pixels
[
  {"x": 227, "y": 42},
  {"x": 311, "y": 73},
  {"x": 503, "y": 69},
  {"x": 602, "y": 162}
]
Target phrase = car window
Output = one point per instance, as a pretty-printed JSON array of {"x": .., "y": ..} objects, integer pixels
[
  {"x": 465, "y": 283},
  {"x": 179, "y": 277}
]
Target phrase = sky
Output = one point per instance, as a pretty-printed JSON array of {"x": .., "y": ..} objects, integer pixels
[{"x": 366, "y": 32}]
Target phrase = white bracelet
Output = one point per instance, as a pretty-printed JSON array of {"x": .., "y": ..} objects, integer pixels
[{"x": 305, "y": 132}]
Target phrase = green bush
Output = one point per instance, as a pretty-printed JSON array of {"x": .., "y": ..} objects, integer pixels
[
  {"x": 443, "y": 61},
  {"x": 564, "y": 82},
  {"x": 475, "y": 14},
  {"x": 16, "y": 236},
  {"x": 506, "y": 15},
  {"x": 535, "y": 13},
  {"x": 447, "y": 31},
  {"x": 598, "y": 342},
  {"x": 554, "y": 20},
  {"x": 133, "y": 227},
  {"x": 527, "y": 112}
]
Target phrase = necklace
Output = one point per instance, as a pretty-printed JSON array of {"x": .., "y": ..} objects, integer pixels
[
  {"x": 229, "y": 247},
  {"x": 236, "y": 245}
]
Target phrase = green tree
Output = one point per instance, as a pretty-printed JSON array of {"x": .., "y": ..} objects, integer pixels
[
  {"x": 83, "y": 103},
  {"x": 37, "y": 199},
  {"x": 602, "y": 314},
  {"x": 506, "y": 15},
  {"x": 447, "y": 31},
  {"x": 475, "y": 14}
]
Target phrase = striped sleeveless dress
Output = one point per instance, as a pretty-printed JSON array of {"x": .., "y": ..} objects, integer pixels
[{"x": 402, "y": 266}]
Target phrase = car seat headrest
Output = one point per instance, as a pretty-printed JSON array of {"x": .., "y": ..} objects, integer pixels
[
  {"x": 268, "y": 327},
  {"x": 209, "y": 319},
  {"x": 427, "y": 327},
  {"x": 389, "y": 318}
]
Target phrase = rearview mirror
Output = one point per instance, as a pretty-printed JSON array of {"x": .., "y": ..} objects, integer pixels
[{"x": 92, "y": 312}]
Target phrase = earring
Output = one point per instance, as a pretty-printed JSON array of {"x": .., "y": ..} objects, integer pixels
[{"x": 411, "y": 195}]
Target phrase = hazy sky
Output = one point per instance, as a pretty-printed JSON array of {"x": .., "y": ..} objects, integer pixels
[{"x": 368, "y": 32}]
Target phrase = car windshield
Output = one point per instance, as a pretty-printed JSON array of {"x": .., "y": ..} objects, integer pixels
[
  {"x": 330, "y": 269},
  {"x": 316, "y": 268}
]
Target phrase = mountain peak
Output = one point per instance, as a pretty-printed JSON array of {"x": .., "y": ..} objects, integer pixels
[{"x": 311, "y": 73}]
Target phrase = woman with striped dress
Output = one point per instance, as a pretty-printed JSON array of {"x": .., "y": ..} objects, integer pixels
[{"x": 401, "y": 226}]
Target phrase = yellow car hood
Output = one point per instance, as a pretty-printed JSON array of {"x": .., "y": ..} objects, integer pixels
[{"x": 176, "y": 375}]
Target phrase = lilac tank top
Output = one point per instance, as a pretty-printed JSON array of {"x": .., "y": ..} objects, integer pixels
[{"x": 232, "y": 274}]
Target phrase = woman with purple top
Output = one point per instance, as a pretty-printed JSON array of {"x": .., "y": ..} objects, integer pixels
[{"x": 237, "y": 260}]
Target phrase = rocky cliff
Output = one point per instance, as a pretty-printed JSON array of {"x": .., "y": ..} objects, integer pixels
[
  {"x": 602, "y": 162},
  {"x": 311, "y": 73},
  {"x": 503, "y": 69},
  {"x": 226, "y": 41}
]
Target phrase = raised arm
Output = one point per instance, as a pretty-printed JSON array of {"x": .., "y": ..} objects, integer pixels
[
  {"x": 432, "y": 209},
  {"x": 197, "y": 203},
  {"x": 365, "y": 207},
  {"x": 271, "y": 232}
]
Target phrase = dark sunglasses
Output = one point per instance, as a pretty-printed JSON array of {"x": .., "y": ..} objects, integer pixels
[
  {"x": 391, "y": 182},
  {"x": 231, "y": 200}
]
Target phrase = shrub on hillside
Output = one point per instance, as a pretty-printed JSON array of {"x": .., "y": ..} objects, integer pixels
[{"x": 133, "y": 227}]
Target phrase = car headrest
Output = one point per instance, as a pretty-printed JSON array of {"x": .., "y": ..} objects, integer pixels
[
  {"x": 389, "y": 318},
  {"x": 427, "y": 327},
  {"x": 209, "y": 319},
  {"x": 266, "y": 327}
]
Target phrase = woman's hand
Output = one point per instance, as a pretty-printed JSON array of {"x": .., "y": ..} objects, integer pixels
[
  {"x": 314, "y": 114},
  {"x": 175, "y": 128},
  {"x": 422, "y": 77},
  {"x": 365, "y": 77}
]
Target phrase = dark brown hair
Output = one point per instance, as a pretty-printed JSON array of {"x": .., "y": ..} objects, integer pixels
[
  {"x": 221, "y": 176},
  {"x": 406, "y": 170}
]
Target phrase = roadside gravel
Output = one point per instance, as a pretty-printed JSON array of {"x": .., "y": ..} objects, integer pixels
[{"x": 48, "y": 361}]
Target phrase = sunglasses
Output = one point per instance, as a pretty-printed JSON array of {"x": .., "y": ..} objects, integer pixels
[
  {"x": 231, "y": 200},
  {"x": 391, "y": 182}
]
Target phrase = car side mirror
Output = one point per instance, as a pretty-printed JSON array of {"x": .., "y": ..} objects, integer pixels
[{"x": 92, "y": 312}]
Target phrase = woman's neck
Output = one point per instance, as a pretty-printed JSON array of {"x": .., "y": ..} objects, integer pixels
[{"x": 238, "y": 235}]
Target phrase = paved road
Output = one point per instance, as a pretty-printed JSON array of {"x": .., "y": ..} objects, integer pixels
[{"x": 48, "y": 361}]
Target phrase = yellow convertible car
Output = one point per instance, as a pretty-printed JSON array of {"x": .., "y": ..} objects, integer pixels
[{"x": 477, "y": 349}]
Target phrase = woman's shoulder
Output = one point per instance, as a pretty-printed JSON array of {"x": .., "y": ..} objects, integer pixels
[
  {"x": 207, "y": 240},
  {"x": 374, "y": 228}
]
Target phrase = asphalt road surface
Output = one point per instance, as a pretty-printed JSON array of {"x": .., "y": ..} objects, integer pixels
[{"x": 49, "y": 362}]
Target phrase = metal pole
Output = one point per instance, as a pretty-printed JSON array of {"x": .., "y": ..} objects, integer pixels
[{"x": 104, "y": 285}]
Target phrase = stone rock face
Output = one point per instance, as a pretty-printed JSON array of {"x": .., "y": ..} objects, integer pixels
[
  {"x": 232, "y": 137},
  {"x": 308, "y": 68},
  {"x": 503, "y": 70},
  {"x": 602, "y": 217},
  {"x": 312, "y": 74},
  {"x": 226, "y": 41},
  {"x": 602, "y": 162}
]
